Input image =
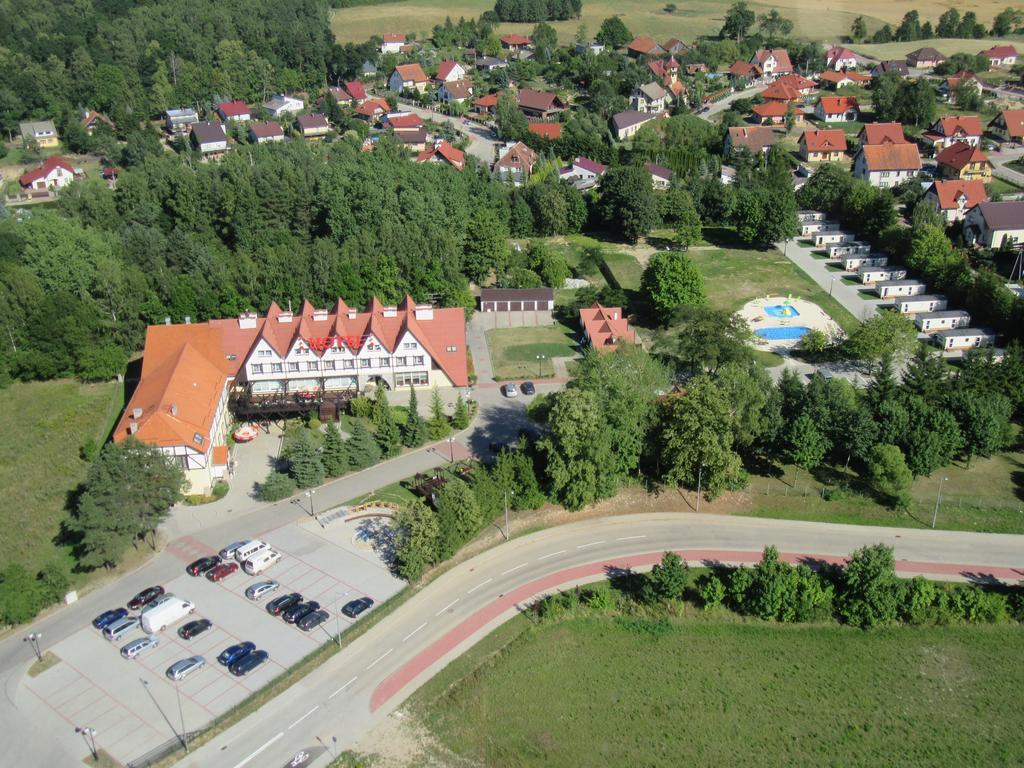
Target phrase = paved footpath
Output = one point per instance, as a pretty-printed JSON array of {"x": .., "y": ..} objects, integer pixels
[{"x": 830, "y": 281}]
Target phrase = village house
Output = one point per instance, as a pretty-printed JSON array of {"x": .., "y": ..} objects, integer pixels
[
  {"x": 827, "y": 145},
  {"x": 539, "y": 105},
  {"x": 234, "y": 111},
  {"x": 894, "y": 289},
  {"x": 772, "y": 112},
  {"x": 265, "y": 132},
  {"x": 583, "y": 173},
  {"x": 666, "y": 70},
  {"x": 924, "y": 58},
  {"x": 548, "y": 131},
  {"x": 356, "y": 91},
  {"x": 643, "y": 46},
  {"x": 490, "y": 63},
  {"x": 444, "y": 153},
  {"x": 675, "y": 47},
  {"x": 54, "y": 173},
  {"x": 392, "y": 42},
  {"x": 209, "y": 138},
  {"x": 744, "y": 71},
  {"x": 198, "y": 377},
  {"x": 455, "y": 91},
  {"x": 849, "y": 248},
  {"x": 895, "y": 66},
  {"x": 954, "y": 199},
  {"x": 949, "y": 87},
  {"x": 945, "y": 320},
  {"x": 591, "y": 46},
  {"x": 661, "y": 178},
  {"x": 838, "y": 58},
  {"x": 650, "y": 97},
  {"x": 626, "y": 124},
  {"x": 178, "y": 122},
  {"x": 963, "y": 161},
  {"x": 372, "y": 110},
  {"x": 449, "y": 71},
  {"x": 779, "y": 91},
  {"x": 835, "y": 80},
  {"x": 886, "y": 165},
  {"x": 963, "y": 339},
  {"x": 757, "y": 139},
  {"x": 924, "y": 302},
  {"x": 854, "y": 263},
  {"x": 515, "y": 163},
  {"x": 92, "y": 119},
  {"x": 408, "y": 77},
  {"x": 1008, "y": 125},
  {"x": 882, "y": 133},
  {"x": 995, "y": 225},
  {"x": 42, "y": 132},
  {"x": 947, "y": 130},
  {"x": 279, "y": 105},
  {"x": 515, "y": 43},
  {"x": 368, "y": 69},
  {"x": 837, "y": 109},
  {"x": 869, "y": 274},
  {"x": 802, "y": 85},
  {"x": 772, "y": 61},
  {"x": 486, "y": 105},
  {"x": 605, "y": 328},
  {"x": 312, "y": 126},
  {"x": 1000, "y": 55}
]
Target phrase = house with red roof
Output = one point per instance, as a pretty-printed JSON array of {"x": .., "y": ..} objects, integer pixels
[
  {"x": 515, "y": 163},
  {"x": 372, "y": 110},
  {"x": 455, "y": 91},
  {"x": 515, "y": 43},
  {"x": 961, "y": 160},
  {"x": 539, "y": 105},
  {"x": 549, "y": 131},
  {"x": 773, "y": 61},
  {"x": 824, "y": 146},
  {"x": 605, "y": 328},
  {"x": 837, "y": 109},
  {"x": 744, "y": 70},
  {"x": 392, "y": 42},
  {"x": 950, "y": 129},
  {"x": 486, "y": 105},
  {"x": 949, "y": 87},
  {"x": 1000, "y": 55},
  {"x": 408, "y": 77},
  {"x": 882, "y": 133},
  {"x": 955, "y": 198},
  {"x": 837, "y": 80},
  {"x": 54, "y": 173},
  {"x": 798, "y": 83},
  {"x": 448, "y": 71},
  {"x": 402, "y": 121},
  {"x": 265, "y": 132},
  {"x": 643, "y": 45},
  {"x": 780, "y": 92},
  {"x": 443, "y": 152},
  {"x": 758, "y": 139},
  {"x": 90, "y": 120},
  {"x": 838, "y": 58},
  {"x": 887, "y": 165},
  {"x": 234, "y": 111},
  {"x": 770, "y": 112},
  {"x": 1008, "y": 125}
]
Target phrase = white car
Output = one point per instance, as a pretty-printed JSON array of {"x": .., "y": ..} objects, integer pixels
[
  {"x": 260, "y": 590},
  {"x": 120, "y": 628},
  {"x": 179, "y": 670},
  {"x": 510, "y": 390},
  {"x": 137, "y": 647}
]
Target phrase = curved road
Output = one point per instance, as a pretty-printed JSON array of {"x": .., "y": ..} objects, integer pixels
[{"x": 371, "y": 677}]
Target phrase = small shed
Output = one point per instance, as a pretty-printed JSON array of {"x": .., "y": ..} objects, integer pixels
[{"x": 516, "y": 299}]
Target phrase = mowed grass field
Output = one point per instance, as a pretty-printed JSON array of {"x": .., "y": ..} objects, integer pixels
[
  {"x": 514, "y": 350},
  {"x": 719, "y": 691},
  {"x": 947, "y": 46},
  {"x": 811, "y": 19},
  {"x": 45, "y": 425}
]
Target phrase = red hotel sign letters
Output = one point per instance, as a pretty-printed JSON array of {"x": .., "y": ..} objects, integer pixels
[{"x": 320, "y": 343}]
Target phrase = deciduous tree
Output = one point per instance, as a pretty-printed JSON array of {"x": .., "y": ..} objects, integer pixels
[{"x": 670, "y": 281}]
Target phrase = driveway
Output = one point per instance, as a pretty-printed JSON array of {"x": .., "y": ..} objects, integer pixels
[
  {"x": 481, "y": 143},
  {"x": 1000, "y": 161},
  {"x": 854, "y": 298},
  {"x": 721, "y": 106}
]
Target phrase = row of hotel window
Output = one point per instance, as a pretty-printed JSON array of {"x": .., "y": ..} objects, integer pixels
[
  {"x": 337, "y": 350},
  {"x": 331, "y": 365},
  {"x": 416, "y": 379}
]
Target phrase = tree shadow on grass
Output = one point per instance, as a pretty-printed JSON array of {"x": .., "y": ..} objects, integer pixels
[{"x": 626, "y": 581}]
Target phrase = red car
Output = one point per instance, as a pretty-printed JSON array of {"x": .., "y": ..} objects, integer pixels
[
  {"x": 150, "y": 593},
  {"x": 221, "y": 571}
]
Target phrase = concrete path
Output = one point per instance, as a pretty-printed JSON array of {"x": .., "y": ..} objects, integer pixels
[
  {"x": 1000, "y": 161},
  {"x": 482, "y": 143},
  {"x": 721, "y": 106},
  {"x": 476, "y": 338},
  {"x": 847, "y": 295}
]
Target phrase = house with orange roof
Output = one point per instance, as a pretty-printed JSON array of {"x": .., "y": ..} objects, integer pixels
[
  {"x": 950, "y": 129},
  {"x": 955, "y": 198},
  {"x": 486, "y": 105},
  {"x": 1000, "y": 55},
  {"x": 549, "y": 131},
  {"x": 773, "y": 61},
  {"x": 515, "y": 43},
  {"x": 55, "y": 173},
  {"x": 837, "y": 109},
  {"x": 744, "y": 70},
  {"x": 455, "y": 91},
  {"x": 443, "y": 152},
  {"x": 515, "y": 163},
  {"x": 780, "y": 92},
  {"x": 644, "y": 45},
  {"x": 886, "y": 165},
  {"x": 951, "y": 85},
  {"x": 836, "y": 80},
  {"x": 824, "y": 146},
  {"x": 770, "y": 112},
  {"x": 392, "y": 42},
  {"x": 1008, "y": 125},
  {"x": 448, "y": 71},
  {"x": 408, "y": 77},
  {"x": 372, "y": 110},
  {"x": 798, "y": 83},
  {"x": 963, "y": 161},
  {"x": 838, "y": 58},
  {"x": 90, "y": 120},
  {"x": 882, "y": 133},
  {"x": 605, "y": 328}
]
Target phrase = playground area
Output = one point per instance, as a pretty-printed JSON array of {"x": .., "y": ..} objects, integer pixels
[{"x": 779, "y": 322}]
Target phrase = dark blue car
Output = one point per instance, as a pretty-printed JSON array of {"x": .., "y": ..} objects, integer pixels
[
  {"x": 235, "y": 652},
  {"x": 107, "y": 618}
]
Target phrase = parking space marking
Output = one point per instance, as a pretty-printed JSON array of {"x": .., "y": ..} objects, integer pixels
[
  {"x": 590, "y": 544},
  {"x": 453, "y": 602},
  {"x": 380, "y": 658},
  {"x": 260, "y": 750},
  {"x": 314, "y": 709},
  {"x": 421, "y": 626},
  {"x": 630, "y": 538},
  {"x": 346, "y": 685},
  {"x": 551, "y": 554},
  {"x": 521, "y": 565}
]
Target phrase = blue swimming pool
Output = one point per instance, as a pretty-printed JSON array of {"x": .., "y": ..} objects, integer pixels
[
  {"x": 781, "y": 310},
  {"x": 782, "y": 333}
]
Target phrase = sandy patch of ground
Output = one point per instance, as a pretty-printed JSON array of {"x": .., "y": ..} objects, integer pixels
[{"x": 399, "y": 741}]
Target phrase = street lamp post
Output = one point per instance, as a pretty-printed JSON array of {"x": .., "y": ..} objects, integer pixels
[
  {"x": 451, "y": 448},
  {"x": 540, "y": 363},
  {"x": 831, "y": 286},
  {"x": 33, "y": 639},
  {"x": 506, "y": 511},
  {"x": 938, "y": 501},
  {"x": 700, "y": 473},
  {"x": 181, "y": 714},
  {"x": 89, "y": 734}
]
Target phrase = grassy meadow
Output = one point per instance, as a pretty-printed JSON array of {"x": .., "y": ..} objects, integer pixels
[
  {"x": 514, "y": 350},
  {"x": 717, "y": 690}
]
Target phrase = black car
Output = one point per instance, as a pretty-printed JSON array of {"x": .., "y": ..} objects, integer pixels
[
  {"x": 202, "y": 565},
  {"x": 312, "y": 620},
  {"x": 281, "y": 604},
  {"x": 356, "y": 607},
  {"x": 194, "y": 628},
  {"x": 295, "y": 613},
  {"x": 144, "y": 597},
  {"x": 527, "y": 388},
  {"x": 248, "y": 663}
]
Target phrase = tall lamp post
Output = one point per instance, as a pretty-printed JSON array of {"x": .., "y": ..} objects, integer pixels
[
  {"x": 540, "y": 364},
  {"x": 938, "y": 501},
  {"x": 451, "y": 448},
  {"x": 831, "y": 286},
  {"x": 89, "y": 734},
  {"x": 33, "y": 639},
  {"x": 506, "y": 512}
]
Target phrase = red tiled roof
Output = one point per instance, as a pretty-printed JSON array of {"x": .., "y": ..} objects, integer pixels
[
  {"x": 959, "y": 155},
  {"x": 781, "y": 56},
  {"x": 490, "y": 100},
  {"x": 409, "y": 120},
  {"x": 1014, "y": 119},
  {"x": 411, "y": 72},
  {"x": 518, "y": 157},
  {"x": 837, "y": 105},
  {"x": 233, "y": 108},
  {"x": 394, "y": 37},
  {"x": 780, "y": 92},
  {"x": 831, "y": 140},
  {"x": 446, "y": 68},
  {"x": 962, "y": 125},
  {"x": 770, "y": 109},
  {"x": 755, "y": 138},
  {"x": 355, "y": 90},
  {"x": 549, "y": 131},
  {"x": 49, "y": 164},
  {"x": 948, "y": 192},
  {"x": 371, "y": 107},
  {"x": 883, "y": 133},
  {"x": 644, "y": 44},
  {"x": 606, "y": 326},
  {"x": 454, "y": 157},
  {"x": 831, "y": 76},
  {"x": 891, "y": 157},
  {"x": 515, "y": 40},
  {"x": 541, "y": 101},
  {"x": 797, "y": 82},
  {"x": 999, "y": 52},
  {"x": 745, "y": 69}
]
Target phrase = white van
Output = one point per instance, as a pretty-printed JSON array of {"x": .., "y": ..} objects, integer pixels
[
  {"x": 261, "y": 561},
  {"x": 159, "y": 617},
  {"x": 250, "y": 548}
]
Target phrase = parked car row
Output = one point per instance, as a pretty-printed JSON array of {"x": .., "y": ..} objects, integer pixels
[
  {"x": 253, "y": 556},
  {"x": 510, "y": 389}
]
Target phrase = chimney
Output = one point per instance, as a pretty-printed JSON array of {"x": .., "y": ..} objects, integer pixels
[
  {"x": 167, "y": 320},
  {"x": 352, "y": 314},
  {"x": 424, "y": 312},
  {"x": 188, "y": 320},
  {"x": 247, "y": 320},
  {"x": 136, "y": 413},
  {"x": 319, "y": 314},
  {"x": 285, "y": 317},
  {"x": 390, "y": 312},
  {"x": 174, "y": 409},
  {"x": 133, "y": 427}
]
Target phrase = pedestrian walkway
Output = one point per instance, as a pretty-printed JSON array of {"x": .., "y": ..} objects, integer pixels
[
  {"x": 832, "y": 282},
  {"x": 476, "y": 337}
]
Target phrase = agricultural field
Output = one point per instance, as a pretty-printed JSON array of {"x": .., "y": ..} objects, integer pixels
[
  {"x": 514, "y": 351},
  {"x": 713, "y": 689},
  {"x": 47, "y": 423},
  {"x": 948, "y": 45}
]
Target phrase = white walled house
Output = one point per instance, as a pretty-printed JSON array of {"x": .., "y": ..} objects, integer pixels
[
  {"x": 894, "y": 289},
  {"x": 849, "y": 248},
  {"x": 855, "y": 263},
  {"x": 995, "y": 225},
  {"x": 209, "y": 138},
  {"x": 833, "y": 237},
  {"x": 943, "y": 320},
  {"x": 964, "y": 339},
  {"x": 54, "y": 173},
  {"x": 923, "y": 303},
  {"x": 869, "y": 275},
  {"x": 886, "y": 165},
  {"x": 279, "y": 104}
]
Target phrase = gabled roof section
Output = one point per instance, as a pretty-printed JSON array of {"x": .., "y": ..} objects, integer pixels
[
  {"x": 411, "y": 72},
  {"x": 831, "y": 140},
  {"x": 49, "y": 165},
  {"x": 891, "y": 157},
  {"x": 1013, "y": 119},
  {"x": 958, "y": 125},
  {"x": 883, "y": 133},
  {"x": 606, "y": 327},
  {"x": 837, "y": 105},
  {"x": 949, "y": 193},
  {"x": 959, "y": 155}
]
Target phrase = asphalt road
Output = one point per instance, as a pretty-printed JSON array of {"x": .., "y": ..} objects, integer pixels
[
  {"x": 370, "y": 678},
  {"x": 481, "y": 142}
]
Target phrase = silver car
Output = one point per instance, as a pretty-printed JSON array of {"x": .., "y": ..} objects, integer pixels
[
  {"x": 179, "y": 670},
  {"x": 259, "y": 590},
  {"x": 140, "y": 646},
  {"x": 228, "y": 553},
  {"x": 120, "y": 628}
]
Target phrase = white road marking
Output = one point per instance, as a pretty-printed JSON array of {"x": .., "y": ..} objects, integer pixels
[
  {"x": 590, "y": 544},
  {"x": 260, "y": 750},
  {"x": 552, "y": 554},
  {"x": 421, "y": 626},
  {"x": 453, "y": 602},
  {"x": 380, "y": 658},
  {"x": 628, "y": 538},
  {"x": 314, "y": 709},
  {"x": 481, "y": 584},
  {"x": 521, "y": 565},
  {"x": 346, "y": 685}
]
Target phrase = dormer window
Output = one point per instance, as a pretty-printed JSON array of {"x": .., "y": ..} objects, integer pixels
[{"x": 197, "y": 439}]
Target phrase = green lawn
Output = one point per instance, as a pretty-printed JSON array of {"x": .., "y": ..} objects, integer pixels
[
  {"x": 626, "y": 270},
  {"x": 715, "y": 690},
  {"x": 947, "y": 46},
  {"x": 1001, "y": 187},
  {"x": 46, "y": 424},
  {"x": 732, "y": 277},
  {"x": 514, "y": 351}
]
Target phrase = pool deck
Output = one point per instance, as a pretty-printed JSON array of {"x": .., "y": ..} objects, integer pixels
[{"x": 807, "y": 315}]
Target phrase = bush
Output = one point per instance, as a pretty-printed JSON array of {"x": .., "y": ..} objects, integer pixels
[
  {"x": 361, "y": 407},
  {"x": 220, "y": 489},
  {"x": 711, "y": 591},
  {"x": 917, "y": 601},
  {"x": 277, "y": 486},
  {"x": 870, "y": 595}
]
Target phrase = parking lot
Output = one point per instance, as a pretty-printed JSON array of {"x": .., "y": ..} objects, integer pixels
[{"x": 134, "y": 707}]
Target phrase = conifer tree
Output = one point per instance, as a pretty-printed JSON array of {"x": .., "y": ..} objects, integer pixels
[
  {"x": 334, "y": 455},
  {"x": 306, "y": 467},
  {"x": 362, "y": 448},
  {"x": 460, "y": 419},
  {"x": 387, "y": 434},
  {"x": 414, "y": 431},
  {"x": 439, "y": 427}
]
